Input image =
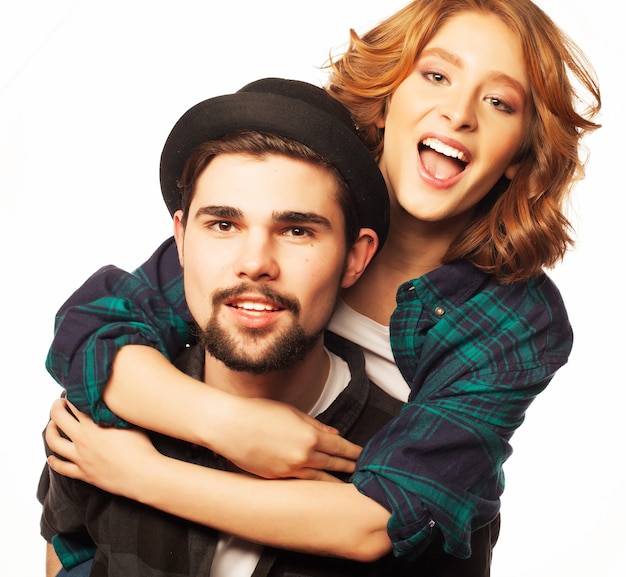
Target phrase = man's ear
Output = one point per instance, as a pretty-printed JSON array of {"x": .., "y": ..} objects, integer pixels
[
  {"x": 359, "y": 256},
  {"x": 179, "y": 234}
]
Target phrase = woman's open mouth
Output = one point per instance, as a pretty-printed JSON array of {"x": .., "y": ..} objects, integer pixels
[{"x": 441, "y": 161}]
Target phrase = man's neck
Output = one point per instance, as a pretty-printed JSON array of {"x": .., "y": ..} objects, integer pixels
[{"x": 300, "y": 385}]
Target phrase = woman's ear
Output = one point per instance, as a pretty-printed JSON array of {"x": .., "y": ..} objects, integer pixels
[
  {"x": 511, "y": 171},
  {"x": 359, "y": 256},
  {"x": 382, "y": 115},
  {"x": 179, "y": 234}
]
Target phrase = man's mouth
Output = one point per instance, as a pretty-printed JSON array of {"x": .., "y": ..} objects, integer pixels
[
  {"x": 441, "y": 160},
  {"x": 254, "y": 313},
  {"x": 255, "y": 300},
  {"x": 254, "y": 306}
]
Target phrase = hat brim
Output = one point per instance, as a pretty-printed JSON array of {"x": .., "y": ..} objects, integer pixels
[{"x": 291, "y": 118}]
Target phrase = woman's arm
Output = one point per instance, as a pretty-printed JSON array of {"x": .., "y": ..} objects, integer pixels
[
  {"x": 474, "y": 370},
  {"x": 149, "y": 391},
  {"x": 53, "y": 565},
  {"x": 112, "y": 309},
  {"x": 112, "y": 342},
  {"x": 332, "y": 518}
]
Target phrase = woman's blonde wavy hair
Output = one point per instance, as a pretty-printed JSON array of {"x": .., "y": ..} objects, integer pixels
[{"x": 519, "y": 227}]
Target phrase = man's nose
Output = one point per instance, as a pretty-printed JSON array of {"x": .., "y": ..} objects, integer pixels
[{"x": 257, "y": 257}]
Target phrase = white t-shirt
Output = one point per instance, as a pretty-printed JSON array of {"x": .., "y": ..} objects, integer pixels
[
  {"x": 373, "y": 338},
  {"x": 235, "y": 557}
]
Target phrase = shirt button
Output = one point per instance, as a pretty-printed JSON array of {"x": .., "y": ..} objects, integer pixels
[
  {"x": 440, "y": 311},
  {"x": 411, "y": 288}
]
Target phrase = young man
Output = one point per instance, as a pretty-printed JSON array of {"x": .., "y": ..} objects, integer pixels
[{"x": 272, "y": 222}]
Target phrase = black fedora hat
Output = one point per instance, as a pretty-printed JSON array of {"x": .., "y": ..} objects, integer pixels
[{"x": 292, "y": 109}]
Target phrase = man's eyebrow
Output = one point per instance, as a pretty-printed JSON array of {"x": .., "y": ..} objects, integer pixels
[
  {"x": 286, "y": 216},
  {"x": 295, "y": 217},
  {"x": 219, "y": 211}
]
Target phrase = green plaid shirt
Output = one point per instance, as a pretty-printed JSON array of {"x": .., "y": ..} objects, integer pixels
[{"x": 474, "y": 352}]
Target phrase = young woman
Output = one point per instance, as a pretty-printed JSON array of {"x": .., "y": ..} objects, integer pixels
[{"x": 469, "y": 108}]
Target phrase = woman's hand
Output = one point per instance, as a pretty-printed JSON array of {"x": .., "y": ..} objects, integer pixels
[
  {"x": 332, "y": 518},
  {"x": 263, "y": 437},
  {"x": 106, "y": 457},
  {"x": 274, "y": 440}
]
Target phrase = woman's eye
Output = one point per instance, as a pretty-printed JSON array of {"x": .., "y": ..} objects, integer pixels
[
  {"x": 435, "y": 77},
  {"x": 499, "y": 104}
]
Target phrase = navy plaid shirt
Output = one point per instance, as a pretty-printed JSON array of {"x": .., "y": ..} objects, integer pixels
[{"x": 474, "y": 352}]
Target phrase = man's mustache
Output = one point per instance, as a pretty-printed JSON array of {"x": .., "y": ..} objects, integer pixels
[{"x": 284, "y": 301}]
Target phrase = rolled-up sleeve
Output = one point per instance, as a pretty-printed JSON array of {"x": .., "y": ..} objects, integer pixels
[
  {"x": 476, "y": 354},
  {"x": 114, "y": 308}
]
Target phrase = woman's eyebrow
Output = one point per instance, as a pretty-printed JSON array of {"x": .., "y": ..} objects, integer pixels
[{"x": 455, "y": 60}]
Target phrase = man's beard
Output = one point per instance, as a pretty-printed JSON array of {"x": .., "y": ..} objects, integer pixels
[{"x": 283, "y": 350}]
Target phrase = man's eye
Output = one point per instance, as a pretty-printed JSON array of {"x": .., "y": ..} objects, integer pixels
[
  {"x": 298, "y": 231},
  {"x": 221, "y": 225}
]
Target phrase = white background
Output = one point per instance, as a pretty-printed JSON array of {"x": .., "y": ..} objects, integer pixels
[{"x": 88, "y": 93}]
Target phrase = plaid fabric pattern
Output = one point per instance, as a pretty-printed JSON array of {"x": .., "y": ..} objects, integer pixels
[
  {"x": 138, "y": 541},
  {"x": 111, "y": 309},
  {"x": 474, "y": 352}
]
